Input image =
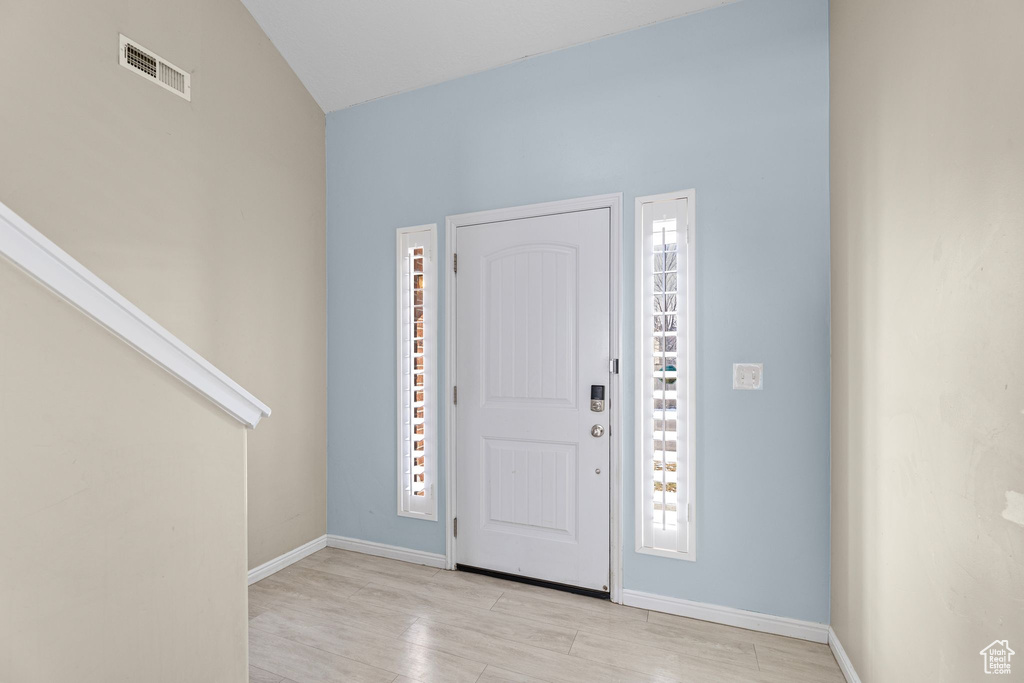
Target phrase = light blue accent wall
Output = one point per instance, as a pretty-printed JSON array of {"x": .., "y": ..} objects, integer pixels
[{"x": 732, "y": 102}]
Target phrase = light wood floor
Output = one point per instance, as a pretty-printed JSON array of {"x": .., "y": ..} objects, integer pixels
[{"x": 342, "y": 616}]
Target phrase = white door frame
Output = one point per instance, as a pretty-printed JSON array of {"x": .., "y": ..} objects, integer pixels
[{"x": 616, "y": 410}]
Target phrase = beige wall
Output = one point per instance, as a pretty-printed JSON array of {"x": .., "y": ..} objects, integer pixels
[
  {"x": 122, "y": 508},
  {"x": 208, "y": 215},
  {"x": 927, "y": 334}
]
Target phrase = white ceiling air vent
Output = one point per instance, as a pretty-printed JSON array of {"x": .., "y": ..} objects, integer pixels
[{"x": 152, "y": 67}]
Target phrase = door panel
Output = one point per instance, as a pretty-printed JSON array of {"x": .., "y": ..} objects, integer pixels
[
  {"x": 528, "y": 352},
  {"x": 532, "y": 336},
  {"x": 529, "y": 488}
]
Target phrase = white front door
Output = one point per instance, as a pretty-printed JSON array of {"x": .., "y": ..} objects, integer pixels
[{"x": 532, "y": 319}]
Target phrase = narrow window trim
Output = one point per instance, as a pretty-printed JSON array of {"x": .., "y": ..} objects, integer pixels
[
  {"x": 406, "y": 239},
  {"x": 643, "y": 356}
]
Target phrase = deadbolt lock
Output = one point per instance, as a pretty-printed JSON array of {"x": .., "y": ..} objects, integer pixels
[{"x": 597, "y": 398}]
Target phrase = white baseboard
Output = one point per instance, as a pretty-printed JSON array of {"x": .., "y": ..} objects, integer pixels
[
  {"x": 845, "y": 665},
  {"x": 730, "y": 616},
  {"x": 290, "y": 557},
  {"x": 384, "y": 550}
]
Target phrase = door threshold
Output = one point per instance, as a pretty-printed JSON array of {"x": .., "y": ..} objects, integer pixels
[{"x": 565, "y": 588}]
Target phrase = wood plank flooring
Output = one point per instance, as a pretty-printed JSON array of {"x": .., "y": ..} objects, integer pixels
[{"x": 343, "y": 616}]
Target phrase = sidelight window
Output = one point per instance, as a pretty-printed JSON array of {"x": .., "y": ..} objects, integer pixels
[
  {"x": 417, "y": 371},
  {"x": 665, "y": 377}
]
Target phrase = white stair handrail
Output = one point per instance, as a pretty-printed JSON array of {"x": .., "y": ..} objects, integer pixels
[{"x": 31, "y": 251}]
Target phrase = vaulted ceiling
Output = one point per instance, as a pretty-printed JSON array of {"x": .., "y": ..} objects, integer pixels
[{"x": 351, "y": 51}]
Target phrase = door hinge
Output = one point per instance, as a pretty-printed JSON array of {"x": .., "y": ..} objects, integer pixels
[
  {"x": 455, "y": 263},
  {"x": 613, "y": 366},
  {"x": 455, "y": 395},
  {"x": 455, "y": 527}
]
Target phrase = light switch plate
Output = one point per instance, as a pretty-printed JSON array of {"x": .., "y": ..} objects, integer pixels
[{"x": 747, "y": 376}]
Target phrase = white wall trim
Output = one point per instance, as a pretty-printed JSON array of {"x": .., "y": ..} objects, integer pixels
[
  {"x": 616, "y": 407},
  {"x": 291, "y": 557},
  {"x": 845, "y": 665},
  {"x": 31, "y": 251},
  {"x": 450, "y": 357},
  {"x": 383, "y": 550},
  {"x": 730, "y": 616}
]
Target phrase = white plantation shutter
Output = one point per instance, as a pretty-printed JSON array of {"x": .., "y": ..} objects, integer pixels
[
  {"x": 665, "y": 375},
  {"x": 417, "y": 371}
]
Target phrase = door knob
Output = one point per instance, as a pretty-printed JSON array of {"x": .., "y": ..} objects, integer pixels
[{"x": 597, "y": 430}]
